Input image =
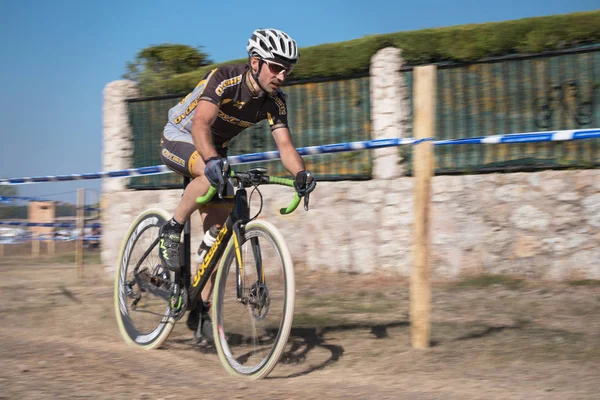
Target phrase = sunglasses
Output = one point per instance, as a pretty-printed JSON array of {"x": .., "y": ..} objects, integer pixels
[{"x": 277, "y": 69}]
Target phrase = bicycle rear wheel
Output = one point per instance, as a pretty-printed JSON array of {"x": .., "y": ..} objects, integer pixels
[
  {"x": 250, "y": 335},
  {"x": 142, "y": 293}
]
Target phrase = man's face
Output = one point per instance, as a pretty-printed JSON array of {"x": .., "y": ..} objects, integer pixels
[{"x": 272, "y": 74}]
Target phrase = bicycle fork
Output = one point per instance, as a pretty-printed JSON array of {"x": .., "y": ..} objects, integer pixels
[
  {"x": 258, "y": 295},
  {"x": 238, "y": 240}
]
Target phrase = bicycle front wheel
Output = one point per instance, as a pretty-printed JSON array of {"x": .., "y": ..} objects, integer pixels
[
  {"x": 143, "y": 285},
  {"x": 251, "y": 332}
]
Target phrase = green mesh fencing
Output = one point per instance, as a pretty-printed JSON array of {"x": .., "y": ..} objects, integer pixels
[
  {"x": 527, "y": 94},
  {"x": 319, "y": 113},
  {"x": 148, "y": 117},
  {"x": 496, "y": 96}
]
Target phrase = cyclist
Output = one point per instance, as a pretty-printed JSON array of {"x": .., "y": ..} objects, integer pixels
[{"x": 226, "y": 101}]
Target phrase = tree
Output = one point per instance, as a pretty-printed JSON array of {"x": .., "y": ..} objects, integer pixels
[
  {"x": 8, "y": 190},
  {"x": 154, "y": 64},
  {"x": 7, "y": 209}
]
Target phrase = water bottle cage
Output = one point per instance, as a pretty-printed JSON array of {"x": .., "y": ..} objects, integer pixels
[{"x": 207, "y": 241}]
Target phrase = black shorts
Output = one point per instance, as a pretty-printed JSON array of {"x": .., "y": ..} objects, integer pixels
[{"x": 179, "y": 154}]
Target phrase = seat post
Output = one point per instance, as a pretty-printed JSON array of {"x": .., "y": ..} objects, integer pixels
[{"x": 187, "y": 242}]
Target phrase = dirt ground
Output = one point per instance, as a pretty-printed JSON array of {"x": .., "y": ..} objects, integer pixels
[{"x": 492, "y": 338}]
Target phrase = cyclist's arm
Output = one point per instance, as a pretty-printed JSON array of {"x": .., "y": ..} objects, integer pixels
[
  {"x": 290, "y": 158},
  {"x": 204, "y": 116}
]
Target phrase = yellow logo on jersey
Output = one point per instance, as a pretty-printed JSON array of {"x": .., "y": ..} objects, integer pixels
[
  {"x": 227, "y": 83},
  {"x": 280, "y": 104},
  {"x": 233, "y": 120}
]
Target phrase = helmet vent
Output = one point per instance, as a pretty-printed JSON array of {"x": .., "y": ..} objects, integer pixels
[
  {"x": 282, "y": 43},
  {"x": 272, "y": 42}
]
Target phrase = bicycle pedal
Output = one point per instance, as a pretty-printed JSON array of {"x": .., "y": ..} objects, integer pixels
[
  {"x": 177, "y": 313},
  {"x": 178, "y": 303},
  {"x": 136, "y": 301}
]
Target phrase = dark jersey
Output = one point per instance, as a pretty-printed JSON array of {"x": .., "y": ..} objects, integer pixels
[{"x": 228, "y": 87}]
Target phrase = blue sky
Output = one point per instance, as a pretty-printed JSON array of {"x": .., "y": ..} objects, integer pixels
[{"x": 57, "y": 57}]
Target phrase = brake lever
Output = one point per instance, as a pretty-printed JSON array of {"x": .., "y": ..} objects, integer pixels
[
  {"x": 225, "y": 174},
  {"x": 309, "y": 180}
]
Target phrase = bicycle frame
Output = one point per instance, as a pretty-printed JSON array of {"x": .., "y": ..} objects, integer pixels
[
  {"x": 233, "y": 227},
  {"x": 182, "y": 289}
]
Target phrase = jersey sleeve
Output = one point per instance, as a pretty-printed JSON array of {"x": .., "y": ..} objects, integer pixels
[
  {"x": 276, "y": 112},
  {"x": 217, "y": 83}
]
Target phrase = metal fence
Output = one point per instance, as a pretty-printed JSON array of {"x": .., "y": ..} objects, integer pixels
[
  {"x": 551, "y": 91},
  {"x": 319, "y": 113},
  {"x": 148, "y": 117},
  {"x": 559, "y": 90}
]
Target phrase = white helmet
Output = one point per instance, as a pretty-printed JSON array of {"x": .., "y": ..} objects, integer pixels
[{"x": 273, "y": 44}]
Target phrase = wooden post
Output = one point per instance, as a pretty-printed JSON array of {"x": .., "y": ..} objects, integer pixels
[
  {"x": 424, "y": 127},
  {"x": 80, "y": 225},
  {"x": 35, "y": 246},
  {"x": 51, "y": 247},
  {"x": 1, "y": 250}
]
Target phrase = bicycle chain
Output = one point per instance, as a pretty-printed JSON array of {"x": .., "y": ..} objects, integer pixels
[{"x": 178, "y": 302}]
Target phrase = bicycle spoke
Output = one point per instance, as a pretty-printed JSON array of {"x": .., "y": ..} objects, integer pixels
[
  {"x": 142, "y": 278},
  {"x": 252, "y": 331}
]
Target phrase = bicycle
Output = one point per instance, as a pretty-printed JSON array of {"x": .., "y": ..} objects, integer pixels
[{"x": 245, "y": 294}]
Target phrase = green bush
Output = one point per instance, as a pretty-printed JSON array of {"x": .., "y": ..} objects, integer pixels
[{"x": 457, "y": 43}]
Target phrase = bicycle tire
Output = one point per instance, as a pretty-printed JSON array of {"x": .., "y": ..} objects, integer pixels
[
  {"x": 154, "y": 336},
  {"x": 223, "y": 338}
]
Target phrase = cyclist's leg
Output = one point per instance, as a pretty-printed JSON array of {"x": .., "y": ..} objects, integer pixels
[
  {"x": 213, "y": 214},
  {"x": 179, "y": 154}
]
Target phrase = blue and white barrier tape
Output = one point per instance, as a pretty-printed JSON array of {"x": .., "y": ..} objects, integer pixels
[
  {"x": 328, "y": 148},
  {"x": 125, "y": 173},
  {"x": 46, "y": 239},
  {"x": 533, "y": 137},
  {"x": 13, "y": 199},
  {"x": 48, "y": 224},
  {"x": 59, "y": 238}
]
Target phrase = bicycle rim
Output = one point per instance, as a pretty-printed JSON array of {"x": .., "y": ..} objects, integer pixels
[
  {"x": 251, "y": 337},
  {"x": 146, "y": 324}
]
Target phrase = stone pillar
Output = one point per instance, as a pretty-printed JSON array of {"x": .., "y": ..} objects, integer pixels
[
  {"x": 390, "y": 110},
  {"x": 117, "y": 151},
  {"x": 116, "y": 155}
]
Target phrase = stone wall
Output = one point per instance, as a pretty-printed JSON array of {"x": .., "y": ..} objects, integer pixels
[{"x": 543, "y": 225}]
